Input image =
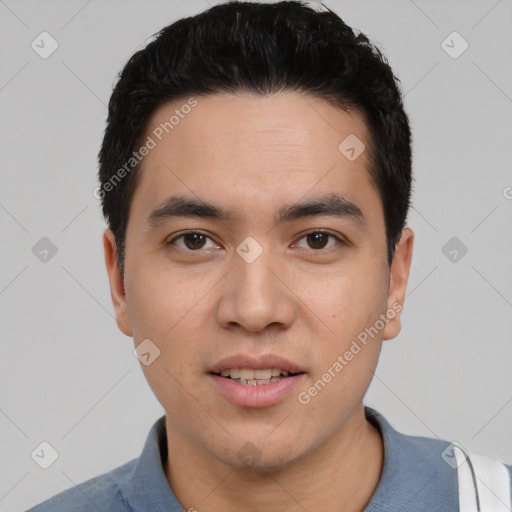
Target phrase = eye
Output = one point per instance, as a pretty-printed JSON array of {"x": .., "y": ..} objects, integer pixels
[
  {"x": 318, "y": 239},
  {"x": 192, "y": 240}
]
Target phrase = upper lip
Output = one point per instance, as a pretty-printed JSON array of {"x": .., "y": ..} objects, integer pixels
[{"x": 262, "y": 362}]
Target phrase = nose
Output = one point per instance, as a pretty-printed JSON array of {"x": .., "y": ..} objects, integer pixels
[{"x": 256, "y": 295}]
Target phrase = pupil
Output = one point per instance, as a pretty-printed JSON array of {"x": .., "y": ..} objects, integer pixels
[
  {"x": 196, "y": 239},
  {"x": 317, "y": 239}
]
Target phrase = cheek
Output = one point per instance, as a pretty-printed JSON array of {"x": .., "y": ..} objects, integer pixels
[
  {"x": 163, "y": 308},
  {"x": 355, "y": 303},
  {"x": 350, "y": 300},
  {"x": 159, "y": 300}
]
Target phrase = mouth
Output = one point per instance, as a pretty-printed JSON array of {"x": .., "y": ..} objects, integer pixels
[
  {"x": 255, "y": 377},
  {"x": 250, "y": 381}
]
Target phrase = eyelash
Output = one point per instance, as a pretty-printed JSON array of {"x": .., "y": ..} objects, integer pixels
[{"x": 315, "y": 231}]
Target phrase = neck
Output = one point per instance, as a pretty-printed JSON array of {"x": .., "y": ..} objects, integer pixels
[{"x": 341, "y": 475}]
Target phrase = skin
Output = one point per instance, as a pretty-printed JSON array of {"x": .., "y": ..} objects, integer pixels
[{"x": 307, "y": 304}]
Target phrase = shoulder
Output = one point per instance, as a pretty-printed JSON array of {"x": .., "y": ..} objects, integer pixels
[
  {"x": 103, "y": 492},
  {"x": 422, "y": 473}
]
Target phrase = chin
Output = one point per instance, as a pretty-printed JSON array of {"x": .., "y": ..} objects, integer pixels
[
  {"x": 265, "y": 465},
  {"x": 262, "y": 455}
]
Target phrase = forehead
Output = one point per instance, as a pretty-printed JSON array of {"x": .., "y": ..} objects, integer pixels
[
  {"x": 292, "y": 121},
  {"x": 245, "y": 150}
]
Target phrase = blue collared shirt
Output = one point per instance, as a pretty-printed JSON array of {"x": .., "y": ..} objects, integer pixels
[{"x": 415, "y": 477}]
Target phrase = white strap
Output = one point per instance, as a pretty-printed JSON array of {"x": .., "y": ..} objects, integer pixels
[
  {"x": 492, "y": 479},
  {"x": 467, "y": 494}
]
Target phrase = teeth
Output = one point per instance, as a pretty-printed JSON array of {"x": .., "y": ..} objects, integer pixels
[
  {"x": 262, "y": 374},
  {"x": 257, "y": 382},
  {"x": 249, "y": 375},
  {"x": 246, "y": 374}
]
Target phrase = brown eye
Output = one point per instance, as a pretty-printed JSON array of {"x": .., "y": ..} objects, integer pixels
[
  {"x": 192, "y": 241},
  {"x": 318, "y": 240}
]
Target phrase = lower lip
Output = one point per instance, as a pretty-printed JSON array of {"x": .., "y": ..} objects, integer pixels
[{"x": 264, "y": 395}]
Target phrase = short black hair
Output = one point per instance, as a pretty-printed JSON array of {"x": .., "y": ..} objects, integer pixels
[{"x": 259, "y": 48}]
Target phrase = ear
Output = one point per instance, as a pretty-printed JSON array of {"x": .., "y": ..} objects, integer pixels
[
  {"x": 399, "y": 276},
  {"x": 117, "y": 291}
]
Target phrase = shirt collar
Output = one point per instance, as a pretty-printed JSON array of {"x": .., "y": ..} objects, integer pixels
[
  {"x": 148, "y": 488},
  {"x": 413, "y": 475}
]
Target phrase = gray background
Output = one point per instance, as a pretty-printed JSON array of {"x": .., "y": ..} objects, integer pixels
[{"x": 68, "y": 375}]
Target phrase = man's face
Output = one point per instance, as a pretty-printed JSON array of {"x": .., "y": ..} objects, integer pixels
[{"x": 252, "y": 291}]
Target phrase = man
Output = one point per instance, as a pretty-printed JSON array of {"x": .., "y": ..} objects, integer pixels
[{"x": 256, "y": 175}]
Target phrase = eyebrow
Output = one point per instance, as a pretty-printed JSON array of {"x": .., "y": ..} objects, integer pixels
[{"x": 334, "y": 204}]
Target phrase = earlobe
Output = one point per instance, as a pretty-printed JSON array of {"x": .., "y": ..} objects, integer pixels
[
  {"x": 399, "y": 276},
  {"x": 117, "y": 291}
]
